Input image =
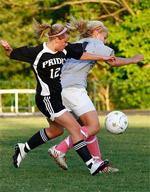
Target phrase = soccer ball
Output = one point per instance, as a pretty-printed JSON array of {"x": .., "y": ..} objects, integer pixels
[{"x": 116, "y": 122}]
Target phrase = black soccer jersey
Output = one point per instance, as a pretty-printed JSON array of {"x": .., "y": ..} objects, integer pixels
[{"x": 47, "y": 64}]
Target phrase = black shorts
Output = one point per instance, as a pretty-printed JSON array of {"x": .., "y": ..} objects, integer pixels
[{"x": 51, "y": 106}]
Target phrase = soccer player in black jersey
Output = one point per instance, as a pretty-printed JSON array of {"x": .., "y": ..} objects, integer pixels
[{"x": 47, "y": 60}]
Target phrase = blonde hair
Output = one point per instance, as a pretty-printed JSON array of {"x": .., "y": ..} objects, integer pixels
[
  {"x": 86, "y": 28},
  {"x": 52, "y": 31}
]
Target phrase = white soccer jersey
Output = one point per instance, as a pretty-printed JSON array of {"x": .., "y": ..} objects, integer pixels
[{"x": 74, "y": 72}]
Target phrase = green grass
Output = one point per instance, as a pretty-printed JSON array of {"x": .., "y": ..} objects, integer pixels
[{"x": 39, "y": 173}]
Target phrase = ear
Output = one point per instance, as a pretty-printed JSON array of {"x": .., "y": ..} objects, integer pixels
[{"x": 95, "y": 33}]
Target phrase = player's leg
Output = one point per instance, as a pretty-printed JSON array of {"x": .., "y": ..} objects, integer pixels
[
  {"x": 91, "y": 140},
  {"x": 56, "y": 111},
  {"x": 41, "y": 137},
  {"x": 58, "y": 156},
  {"x": 91, "y": 121},
  {"x": 58, "y": 152},
  {"x": 77, "y": 100},
  {"x": 67, "y": 121}
]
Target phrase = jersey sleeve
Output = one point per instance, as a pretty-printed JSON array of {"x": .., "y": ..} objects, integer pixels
[
  {"x": 96, "y": 47},
  {"x": 74, "y": 50},
  {"x": 26, "y": 54}
]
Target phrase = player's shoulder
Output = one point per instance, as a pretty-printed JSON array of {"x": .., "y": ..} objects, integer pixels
[
  {"x": 37, "y": 48},
  {"x": 34, "y": 50},
  {"x": 73, "y": 45},
  {"x": 97, "y": 46},
  {"x": 90, "y": 43},
  {"x": 89, "y": 40}
]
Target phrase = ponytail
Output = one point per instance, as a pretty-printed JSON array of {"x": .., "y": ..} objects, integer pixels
[
  {"x": 75, "y": 25},
  {"x": 85, "y": 28},
  {"x": 40, "y": 29},
  {"x": 51, "y": 31}
]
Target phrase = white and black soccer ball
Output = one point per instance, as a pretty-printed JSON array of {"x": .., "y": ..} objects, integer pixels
[{"x": 116, "y": 122}]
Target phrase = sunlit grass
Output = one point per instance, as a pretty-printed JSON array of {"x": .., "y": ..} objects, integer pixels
[{"x": 39, "y": 173}]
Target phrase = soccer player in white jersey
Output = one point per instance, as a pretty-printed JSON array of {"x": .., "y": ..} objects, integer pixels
[
  {"x": 74, "y": 94},
  {"x": 46, "y": 61}
]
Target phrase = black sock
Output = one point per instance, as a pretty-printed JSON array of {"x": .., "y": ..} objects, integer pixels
[
  {"x": 82, "y": 150},
  {"x": 38, "y": 139}
]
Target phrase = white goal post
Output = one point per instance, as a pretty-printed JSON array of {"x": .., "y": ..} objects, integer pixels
[{"x": 16, "y": 92}]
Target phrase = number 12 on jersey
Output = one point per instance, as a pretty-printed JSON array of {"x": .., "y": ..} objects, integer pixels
[{"x": 54, "y": 73}]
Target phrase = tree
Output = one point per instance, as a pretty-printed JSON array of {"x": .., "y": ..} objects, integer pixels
[{"x": 16, "y": 27}]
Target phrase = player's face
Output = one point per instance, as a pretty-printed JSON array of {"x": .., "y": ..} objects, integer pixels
[{"x": 61, "y": 43}]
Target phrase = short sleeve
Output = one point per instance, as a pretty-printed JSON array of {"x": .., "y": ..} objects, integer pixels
[
  {"x": 112, "y": 52},
  {"x": 26, "y": 54},
  {"x": 74, "y": 50},
  {"x": 96, "y": 47}
]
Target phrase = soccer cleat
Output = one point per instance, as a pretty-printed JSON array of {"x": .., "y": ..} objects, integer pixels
[
  {"x": 96, "y": 166},
  {"x": 58, "y": 156},
  {"x": 19, "y": 154},
  {"x": 109, "y": 169}
]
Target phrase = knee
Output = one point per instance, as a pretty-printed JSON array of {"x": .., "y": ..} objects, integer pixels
[
  {"x": 94, "y": 128},
  {"x": 59, "y": 132}
]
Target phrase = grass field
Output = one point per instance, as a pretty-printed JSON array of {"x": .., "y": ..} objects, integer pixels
[{"x": 39, "y": 173}]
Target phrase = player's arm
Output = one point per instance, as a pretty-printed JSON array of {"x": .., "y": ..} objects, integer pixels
[
  {"x": 107, "y": 51},
  {"x": 77, "y": 51},
  {"x": 26, "y": 54},
  {"x": 97, "y": 57},
  {"x": 119, "y": 61}
]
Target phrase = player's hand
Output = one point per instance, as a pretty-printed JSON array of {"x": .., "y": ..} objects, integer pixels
[
  {"x": 109, "y": 58},
  {"x": 113, "y": 62},
  {"x": 6, "y": 46},
  {"x": 137, "y": 58}
]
